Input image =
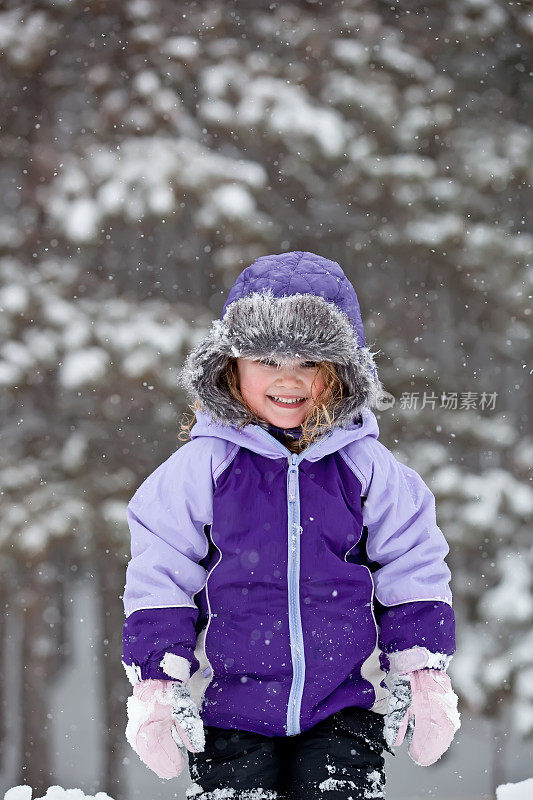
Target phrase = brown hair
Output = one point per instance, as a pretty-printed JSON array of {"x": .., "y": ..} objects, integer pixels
[{"x": 317, "y": 421}]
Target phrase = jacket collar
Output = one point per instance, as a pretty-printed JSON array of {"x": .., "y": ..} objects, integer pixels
[{"x": 257, "y": 439}]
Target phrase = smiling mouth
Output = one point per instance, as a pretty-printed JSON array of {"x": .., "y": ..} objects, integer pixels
[{"x": 287, "y": 402}]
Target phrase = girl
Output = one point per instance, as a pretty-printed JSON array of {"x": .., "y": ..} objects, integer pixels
[{"x": 287, "y": 575}]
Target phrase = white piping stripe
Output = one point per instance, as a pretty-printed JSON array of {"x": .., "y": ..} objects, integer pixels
[
  {"x": 149, "y": 608},
  {"x": 370, "y": 668},
  {"x": 229, "y": 458}
]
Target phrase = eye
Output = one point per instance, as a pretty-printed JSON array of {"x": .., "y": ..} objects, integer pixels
[
  {"x": 267, "y": 362},
  {"x": 309, "y": 364}
]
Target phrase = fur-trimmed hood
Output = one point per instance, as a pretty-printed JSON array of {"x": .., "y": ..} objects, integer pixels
[{"x": 286, "y": 306}]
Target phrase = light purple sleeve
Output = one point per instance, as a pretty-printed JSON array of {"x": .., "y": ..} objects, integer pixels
[
  {"x": 166, "y": 517},
  {"x": 403, "y": 535}
]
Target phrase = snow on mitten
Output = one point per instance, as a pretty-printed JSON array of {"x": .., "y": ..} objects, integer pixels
[
  {"x": 422, "y": 709},
  {"x": 163, "y": 724}
]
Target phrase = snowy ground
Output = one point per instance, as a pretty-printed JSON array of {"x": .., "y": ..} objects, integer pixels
[
  {"x": 53, "y": 793},
  {"x": 515, "y": 791},
  {"x": 510, "y": 791}
]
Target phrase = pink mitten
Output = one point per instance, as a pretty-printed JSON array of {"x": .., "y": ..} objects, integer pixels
[
  {"x": 163, "y": 723},
  {"x": 422, "y": 708}
]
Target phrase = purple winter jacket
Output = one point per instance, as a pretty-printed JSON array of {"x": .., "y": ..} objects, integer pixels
[{"x": 279, "y": 582}]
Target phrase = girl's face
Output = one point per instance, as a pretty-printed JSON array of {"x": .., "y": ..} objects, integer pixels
[{"x": 265, "y": 387}]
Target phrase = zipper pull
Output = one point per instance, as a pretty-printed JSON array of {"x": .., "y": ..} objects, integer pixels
[
  {"x": 293, "y": 463},
  {"x": 292, "y": 486}
]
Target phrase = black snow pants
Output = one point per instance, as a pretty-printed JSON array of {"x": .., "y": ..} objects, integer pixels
[{"x": 340, "y": 758}]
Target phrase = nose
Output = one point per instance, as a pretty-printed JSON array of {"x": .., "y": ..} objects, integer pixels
[{"x": 289, "y": 375}]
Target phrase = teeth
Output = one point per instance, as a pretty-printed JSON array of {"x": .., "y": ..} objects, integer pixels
[{"x": 288, "y": 402}]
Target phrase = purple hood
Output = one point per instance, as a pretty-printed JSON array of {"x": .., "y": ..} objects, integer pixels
[{"x": 286, "y": 306}]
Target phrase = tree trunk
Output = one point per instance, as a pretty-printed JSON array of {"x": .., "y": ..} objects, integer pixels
[
  {"x": 4, "y": 608},
  {"x": 35, "y": 763},
  {"x": 41, "y": 600},
  {"x": 109, "y": 574},
  {"x": 499, "y": 741}
]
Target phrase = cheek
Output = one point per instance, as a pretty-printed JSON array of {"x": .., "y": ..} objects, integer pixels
[
  {"x": 318, "y": 386},
  {"x": 245, "y": 387},
  {"x": 251, "y": 387}
]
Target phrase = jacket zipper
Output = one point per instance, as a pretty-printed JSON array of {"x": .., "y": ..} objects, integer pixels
[
  {"x": 294, "y": 530},
  {"x": 293, "y": 579}
]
